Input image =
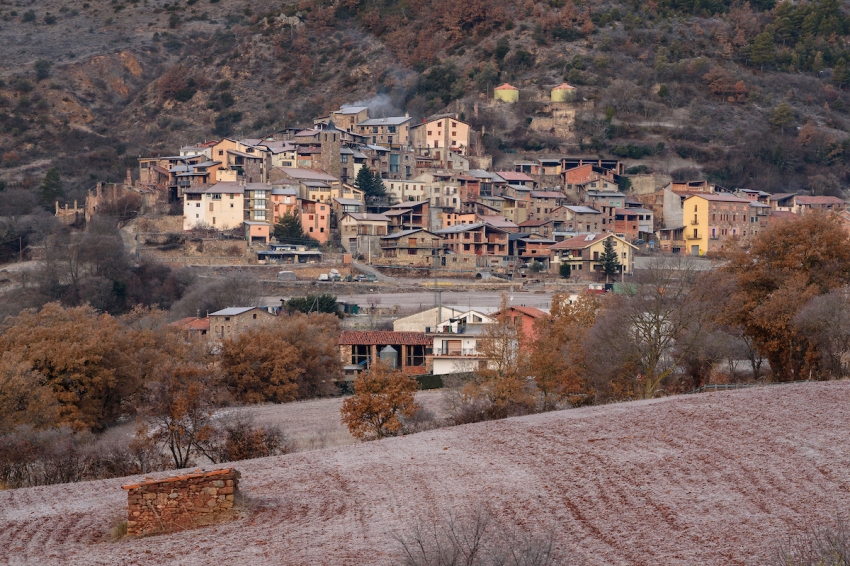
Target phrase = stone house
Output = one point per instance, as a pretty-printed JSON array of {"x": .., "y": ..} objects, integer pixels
[
  {"x": 361, "y": 231},
  {"x": 230, "y": 322},
  {"x": 412, "y": 247},
  {"x": 392, "y": 132},
  {"x": 581, "y": 219}
]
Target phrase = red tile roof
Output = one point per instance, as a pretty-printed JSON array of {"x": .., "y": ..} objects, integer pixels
[
  {"x": 380, "y": 337},
  {"x": 578, "y": 242},
  {"x": 506, "y": 86},
  {"x": 530, "y": 311},
  {"x": 802, "y": 199}
]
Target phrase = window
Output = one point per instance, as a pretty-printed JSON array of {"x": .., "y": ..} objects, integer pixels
[
  {"x": 389, "y": 139},
  {"x": 321, "y": 217},
  {"x": 374, "y": 139},
  {"x": 439, "y": 124},
  {"x": 221, "y": 152},
  {"x": 454, "y": 124},
  {"x": 374, "y": 130},
  {"x": 259, "y": 194},
  {"x": 311, "y": 228},
  {"x": 213, "y": 221},
  {"x": 260, "y": 203},
  {"x": 321, "y": 229},
  {"x": 215, "y": 197},
  {"x": 198, "y": 205},
  {"x": 211, "y": 207},
  {"x": 391, "y": 129},
  {"x": 259, "y": 215},
  {"x": 343, "y": 158}
]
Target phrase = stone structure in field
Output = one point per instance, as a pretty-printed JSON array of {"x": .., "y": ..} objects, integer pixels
[{"x": 181, "y": 502}]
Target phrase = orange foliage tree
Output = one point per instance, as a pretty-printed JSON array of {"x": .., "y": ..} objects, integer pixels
[
  {"x": 381, "y": 397},
  {"x": 292, "y": 357},
  {"x": 85, "y": 358},
  {"x": 558, "y": 355},
  {"x": 780, "y": 272}
]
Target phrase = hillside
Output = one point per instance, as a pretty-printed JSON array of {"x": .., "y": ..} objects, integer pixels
[
  {"x": 704, "y": 479},
  {"x": 691, "y": 89}
]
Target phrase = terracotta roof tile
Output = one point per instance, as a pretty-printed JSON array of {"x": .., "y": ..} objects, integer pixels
[{"x": 380, "y": 337}]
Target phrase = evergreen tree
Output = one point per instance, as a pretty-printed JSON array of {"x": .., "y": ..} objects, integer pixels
[
  {"x": 609, "y": 260},
  {"x": 378, "y": 188},
  {"x": 564, "y": 270},
  {"x": 840, "y": 75},
  {"x": 364, "y": 180},
  {"x": 51, "y": 188},
  {"x": 289, "y": 230},
  {"x": 782, "y": 117},
  {"x": 763, "y": 51}
]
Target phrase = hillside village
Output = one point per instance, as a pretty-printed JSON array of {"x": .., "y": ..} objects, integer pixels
[
  {"x": 420, "y": 196},
  {"x": 420, "y": 200}
]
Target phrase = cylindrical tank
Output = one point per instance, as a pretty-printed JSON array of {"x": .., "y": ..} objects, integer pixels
[
  {"x": 506, "y": 93},
  {"x": 389, "y": 356},
  {"x": 563, "y": 93}
]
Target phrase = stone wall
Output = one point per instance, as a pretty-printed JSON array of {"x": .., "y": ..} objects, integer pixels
[{"x": 181, "y": 502}]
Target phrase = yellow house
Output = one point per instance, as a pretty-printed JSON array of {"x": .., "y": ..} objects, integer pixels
[
  {"x": 506, "y": 93},
  {"x": 563, "y": 93},
  {"x": 219, "y": 206},
  {"x": 583, "y": 254},
  {"x": 712, "y": 219}
]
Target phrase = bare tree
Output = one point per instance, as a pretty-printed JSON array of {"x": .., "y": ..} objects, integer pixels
[{"x": 640, "y": 339}]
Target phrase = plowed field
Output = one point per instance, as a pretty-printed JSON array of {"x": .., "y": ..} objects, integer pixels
[{"x": 704, "y": 479}]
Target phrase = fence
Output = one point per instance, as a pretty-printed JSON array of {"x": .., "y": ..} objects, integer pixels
[{"x": 728, "y": 386}]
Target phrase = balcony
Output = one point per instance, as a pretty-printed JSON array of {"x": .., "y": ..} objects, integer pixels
[
  {"x": 457, "y": 353},
  {"x": 693, "y": 236}
]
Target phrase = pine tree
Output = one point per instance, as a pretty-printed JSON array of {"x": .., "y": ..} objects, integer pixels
[
  {"x": 608, "y": 260},
  {"x": 840, "y": 76},
  {"x": 782, "y": 117},
  {"x": 288, "y": 229},
  {"x": 364, "y": 180},
  {"x": 762, "y": 51},
  {"x": 378, "y": 188},
  {"x": 51, "y": 188},
  {"x": 564, "y": 270}
]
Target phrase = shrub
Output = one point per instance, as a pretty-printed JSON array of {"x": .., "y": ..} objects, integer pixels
[
  {"x": 239, "y": 439},
  {"x": 819, "y": 546}
]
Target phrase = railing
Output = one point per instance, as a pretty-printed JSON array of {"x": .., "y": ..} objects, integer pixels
[
  {"x": 462, "y": 352},
  {"x": 692, "y": 236}
]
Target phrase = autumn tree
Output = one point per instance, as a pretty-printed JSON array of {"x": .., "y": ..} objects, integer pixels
[
  {"x": 825, "y": 321},
  {"x": 177, "y": 416},
  {"x": 85, "y": 358},
  {"x": 292, "y": 357},
  {"x": 382, "y": 397},
  {"x": 784, "y": 268},
  {"x": 558, "y": 359},
  {"x": 25, "y": 399}
]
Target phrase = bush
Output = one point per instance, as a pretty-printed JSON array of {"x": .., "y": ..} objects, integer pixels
[
  {"x": 476, "y": 538},
  {"x": 237, "y": 438},
  {"x": 818, "y": 546},
  {"x": 564, "y": 270}
]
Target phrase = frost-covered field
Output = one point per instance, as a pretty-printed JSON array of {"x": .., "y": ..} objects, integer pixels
[{"x": 704, "y": 479}]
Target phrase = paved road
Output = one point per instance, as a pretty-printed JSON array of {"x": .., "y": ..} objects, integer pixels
[{"x": 420, "y": 300}]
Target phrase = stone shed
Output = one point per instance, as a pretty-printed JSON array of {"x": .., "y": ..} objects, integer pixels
[{"x": 181, "y": 502}]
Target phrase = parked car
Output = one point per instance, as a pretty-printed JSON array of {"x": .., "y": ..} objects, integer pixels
[
  {"x": 324, "y": 277},
  {"x": 366, "y": 278}
]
